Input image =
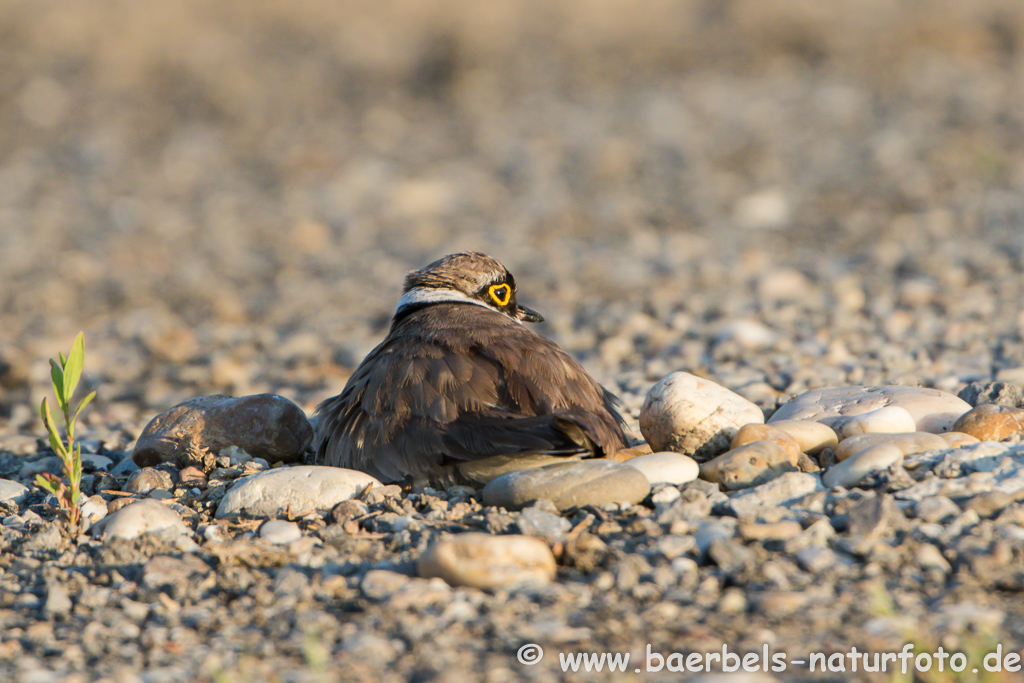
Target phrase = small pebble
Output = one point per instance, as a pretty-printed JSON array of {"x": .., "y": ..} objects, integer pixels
[
  {"x": 484, "y": 561},
  {"x": 280, "y": 531}
]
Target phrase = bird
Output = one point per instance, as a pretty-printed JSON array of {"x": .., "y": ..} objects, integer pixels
[{"x": 461, "y": 390}]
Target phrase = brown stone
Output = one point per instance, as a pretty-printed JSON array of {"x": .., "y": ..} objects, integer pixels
[
  {"x": 755, "y": 463},
  {"x": 762, "y": 432},
  {"x": 264, "y": 425},
  {"x": 992, "y": 422},
  {"x": 813, "y": 437},
  {"x": 485, "y": 561}
]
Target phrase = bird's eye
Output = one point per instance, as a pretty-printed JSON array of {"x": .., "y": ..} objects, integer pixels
[{"x": 500, "y": 294}]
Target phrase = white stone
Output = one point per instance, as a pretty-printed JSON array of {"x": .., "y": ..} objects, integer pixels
[
  {"x": 665, "y": 467},
  {"x": 687, "y": 414},
  {"x": 12, "y": 491},
  {"x": 294, "y": 491},
  {"x": 484, "y": 561},
  {"x": 144, "y": 516},
  {"x": 280, "y": 531},
  {"x": 765, "y": 210},
  {"x": 909, "y": 443},
  {"x": 748, "y": 334},
  {"x": 887, "y": 420},
  {"x": 857, "y": 468},
  {"x": 665, "y": 496},
  {"x": 933, "y": 410},
  {"x": 94, "y": 508}
]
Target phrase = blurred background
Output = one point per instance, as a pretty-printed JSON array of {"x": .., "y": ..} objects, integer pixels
[{"x": 776, "y": 194}]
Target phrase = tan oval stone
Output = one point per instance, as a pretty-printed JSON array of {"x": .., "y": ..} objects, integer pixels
[
  {"x": 958, "y": 439},
  {"x": 991, "y": 422},
  {"x": 750, "y": 465},
  {"x": 907, "y": 443},
  {"x": 762, "y": 432},
  {"x": 484, "y": 561},
  {"x": 813, "y": 437}
]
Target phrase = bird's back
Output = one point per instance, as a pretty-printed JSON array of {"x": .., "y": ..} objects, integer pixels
[{"x": 456, "y": 382}]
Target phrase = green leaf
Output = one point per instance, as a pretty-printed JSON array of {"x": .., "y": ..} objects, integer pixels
[
  {"x": 84, "y": 402},
  {"x": 46, "y": 484},
  {"x": 51, "y": 429},
  {"x": 73, "y": 367},
  {"x": 63, "y": 360},
  {"x": 57, "y": 375}
]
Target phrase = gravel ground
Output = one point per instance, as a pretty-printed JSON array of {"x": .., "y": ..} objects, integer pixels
[{"x": 776, "y": 196}]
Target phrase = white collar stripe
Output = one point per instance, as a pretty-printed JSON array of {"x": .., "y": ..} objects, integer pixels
[{"x": 438, "y": 295}]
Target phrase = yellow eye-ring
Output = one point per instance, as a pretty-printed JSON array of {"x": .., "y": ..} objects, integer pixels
[{"x": 500, "y": 294}]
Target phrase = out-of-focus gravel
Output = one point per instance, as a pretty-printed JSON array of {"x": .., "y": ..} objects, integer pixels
[{"x": 225, "y": 197}]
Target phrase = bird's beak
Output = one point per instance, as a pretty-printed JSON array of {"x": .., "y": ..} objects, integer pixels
[{"x": 528, "y": 315}]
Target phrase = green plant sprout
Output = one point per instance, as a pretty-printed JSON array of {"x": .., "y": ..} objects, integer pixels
[{"x": 65, "y": 376}]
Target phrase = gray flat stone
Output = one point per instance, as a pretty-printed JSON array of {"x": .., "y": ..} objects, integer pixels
[
  {"x": 12, "y": 491},
  {"x": 296, "y": 491},
  {"x": 589, "y": 482},
  {"x": 932, "y": 410},
  {"x": 780, "y": 491}
]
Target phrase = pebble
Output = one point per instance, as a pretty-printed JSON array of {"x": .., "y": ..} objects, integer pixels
[
  {"x": 770, "y": 531},
  {"x": 909, "y": 443},
  {"x": 293, "y": 491},
  {"x": 146, "y": 480},
  {"x": 573, "y": 484},
  {"x": 762, "y": 432},
  {"x": 932, "y": 410},
  {"x": 859, "y": 467},
  {"x": 686, "y": 414},
  {"x": 542, "y": 523},
  {"x": 264, "y": 425},
  {"x": 12, "y": 491},
  {"x": 379, "y": 585},
  {"x": 936, "y": 509},
  {"x": 1002, "y": 393},
  {"x": 94, "y": 508},
  {"x": 58, "y": 603},
  {"x": 749, "y": 465},
  {"x": 484, "y": 561},
  {"x": 666, "y": 467},
  {"x": 812, "y": 437},
  {"x": 279, "y": 531},
  {"x": 665, "y": 495},
  {"x": 140, "y": 517},
  {"x": 930, "y": 557},
  {"x": 958, "y": 439},
  {"x": 784, "y": 489},
  {"x": 991, "y": 422},
  {"x": 988, "y": 504},
  {"x": 888, "y": 420}
]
